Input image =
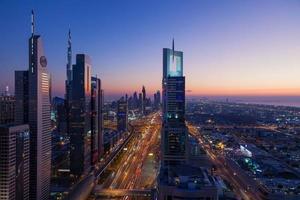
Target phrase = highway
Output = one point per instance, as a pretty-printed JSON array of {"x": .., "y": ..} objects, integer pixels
[
  {"x": 244, "y": 186},
  {"x": 137, "y": 166},
  {"x": 127, "y": 174}
]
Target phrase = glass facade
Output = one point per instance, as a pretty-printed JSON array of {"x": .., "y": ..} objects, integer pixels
[
  {"x": 173, "y": 63},
  {"x": 174, "y": 134}
]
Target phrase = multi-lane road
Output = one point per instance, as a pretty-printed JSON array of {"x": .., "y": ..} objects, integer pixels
[{"x": 137, "y": 165}]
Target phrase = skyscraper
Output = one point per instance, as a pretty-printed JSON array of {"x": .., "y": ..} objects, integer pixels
[
  {"x": 21, "y": 97},
  {"x": 14, "y": 162},
  {"x": 135, "y": 100},
  {"x": 33, "y": 107},
  {"x": 157, "y": 99},
  {"x": 7, "y": 109},
  {"x": 177, "y": 179},
  {"x": 68, "y": 83},
  {"x": 80, "y": 118},
  {"x": 144, "y": 100},
  {"x": 122, "y": 115},
  {"x": 140, "y": 104},
  {"x": 96, "y": 120},
  {"x": 174, "y": 134}
]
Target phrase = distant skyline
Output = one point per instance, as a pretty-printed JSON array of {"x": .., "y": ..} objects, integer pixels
[{"x": 231, "y": 48}]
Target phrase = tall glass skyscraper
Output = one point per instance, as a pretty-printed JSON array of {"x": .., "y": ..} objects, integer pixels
[
  {"x": 174, "y": 134},
  {"x": 178, "y": 179},
  {"x": 80, "y": 118},
  {"x": 96, "y": 120},
  {"x": 33, "y": 107},
  {"x": 68, "y": 83},
  {"x": 122, "y": 115},
  {"x": 39, "y": 119},
  {"x": 14, "y": 162}
]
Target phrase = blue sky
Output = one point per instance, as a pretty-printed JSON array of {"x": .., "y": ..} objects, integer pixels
[{"x": 230, "y": 47}]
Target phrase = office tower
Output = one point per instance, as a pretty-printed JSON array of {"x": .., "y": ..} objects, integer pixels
[
  {"x": 177, "y": 179},
  {"x": 140, "y": 102},
  {"x": 7, "y": 109},
  {"x": 101, "y": 116},
  {"x": 60, "y": 115},
  {"x": 80, "y": 118},
  {"x": 122, "y": 115},
  {"x": 174, "y": 134},
  {"x": 144, "y": 100},
  {"x": 32, "y": 90},
  {"x": 68, "y": 83},
  {"x": 156, "y": 100},
  {"x": 135, "y": 101},
  {"x": 96, "y": 120},
  {"x": 14, "y": 162},
  {"x": 21, "y": 96}
]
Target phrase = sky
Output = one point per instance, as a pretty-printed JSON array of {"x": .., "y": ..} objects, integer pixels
[{"x": 234, "y": 47}]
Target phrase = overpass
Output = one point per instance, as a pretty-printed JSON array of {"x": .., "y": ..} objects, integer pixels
[
  {"x": 114, "y": 154},
  {"x": 114, "y": 193}
]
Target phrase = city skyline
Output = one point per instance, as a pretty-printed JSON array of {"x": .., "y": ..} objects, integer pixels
[
  {"x": 234, "y": 44},
  {"x": 150, "y": 100}
]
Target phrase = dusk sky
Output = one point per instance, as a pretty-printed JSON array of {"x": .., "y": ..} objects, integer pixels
[{"x": 230, "y": 47}]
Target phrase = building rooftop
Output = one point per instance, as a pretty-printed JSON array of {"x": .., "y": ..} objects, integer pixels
[{"x": 186, "y": 177}]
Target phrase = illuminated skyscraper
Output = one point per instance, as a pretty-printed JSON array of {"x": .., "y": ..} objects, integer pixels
[
  {"x": 144, "y": 100},
  {"x": 140, "y": 104},
  {"x": 35, "y": 99},
  {"x": 14, "y": 162},
  {"x": 122, "y": 114},
  {"x": 156, "y": 99},
  {"x": 177, "y": 179},
  {"x": 21, "y": 97},
  {"x": 7, "y": 109},
  {"x": 68, "y": 83},
  {"x": 33, "y": 107},
  {"x": 174, "y": 133},
  {"x": 80, "y": 118},
  {"x": 96, "y": 120}
]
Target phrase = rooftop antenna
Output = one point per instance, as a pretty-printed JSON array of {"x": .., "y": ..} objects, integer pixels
[{"x": 173, "y": 48}]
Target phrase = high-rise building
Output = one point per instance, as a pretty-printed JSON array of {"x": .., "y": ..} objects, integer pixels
[
  {"x": 60, "y": 115},
  {"x": 156, "y": 99},
  {"x": 144, "y": 100},
  {"x": 96, "y": 120},
  {"x": 80, "y": 118},
  {"x": 135, "y": 101},
  {"x": 33, "y": 107},
  {"x": 7, "y": 109},
  {"x": 177, "y": 179},
  {"x": 174, "y": 133},
  {"x": 68, "y": 83},
  {"x": 140, "y": 104},
  {"x": 101, "y": 137},
  {"x": 21, "y": 96},
  {"x": 14, "y": 162},
  {"x": 122, "y": 115}
]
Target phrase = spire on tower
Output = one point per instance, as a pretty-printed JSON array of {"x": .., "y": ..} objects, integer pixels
[
  {"x": 32, "y": 22},
  {"x": 173, "y": 48},
  {"x": 69, "y": 39},
  {"x": 69, "y": 58}
]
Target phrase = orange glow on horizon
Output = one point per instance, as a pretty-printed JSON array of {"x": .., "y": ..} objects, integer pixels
[
  {"x": 243, "y": 92},
  {"x": 116, "y": 90}
]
